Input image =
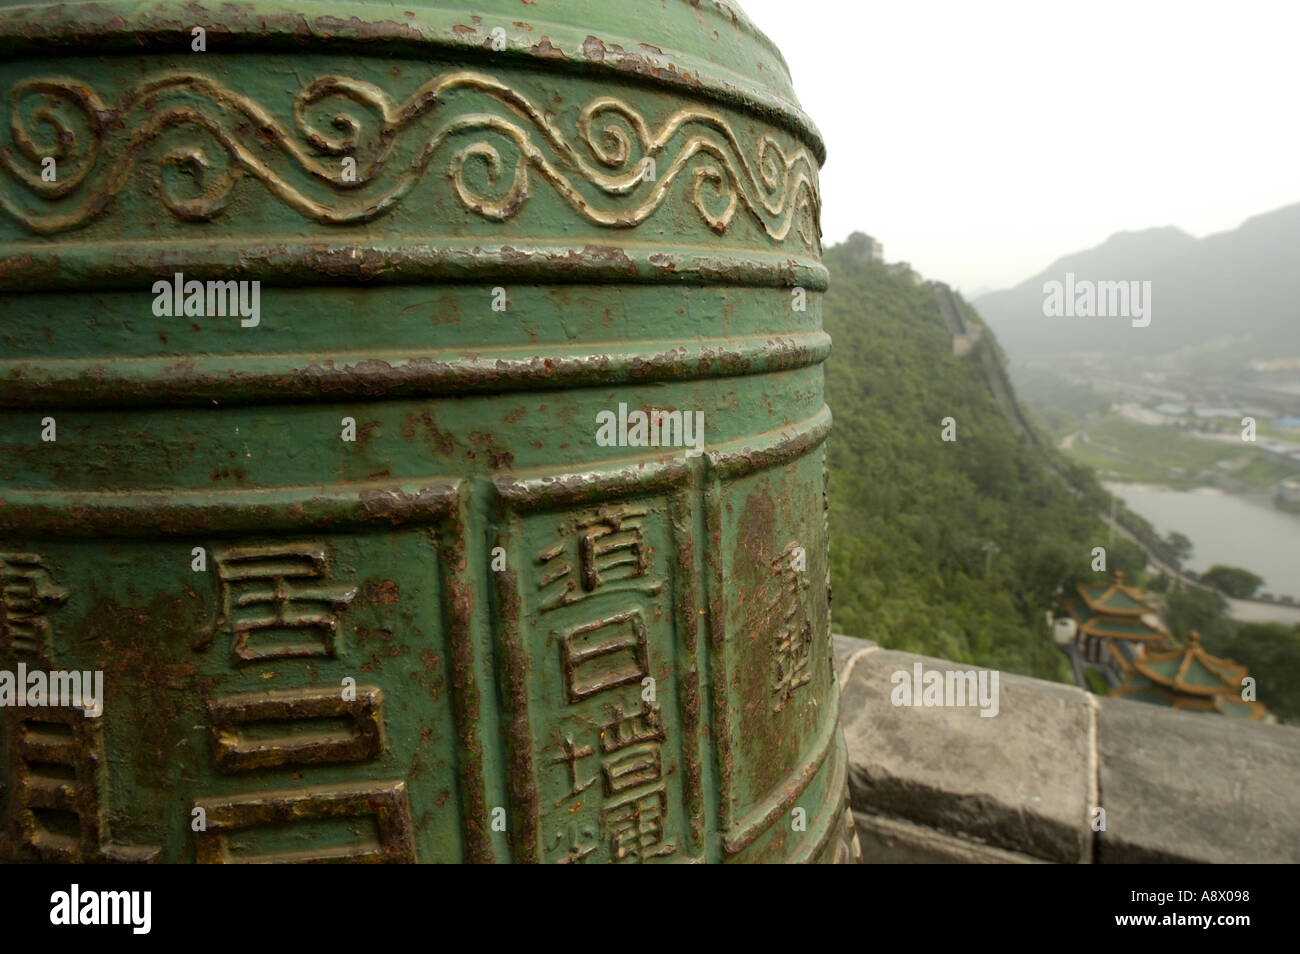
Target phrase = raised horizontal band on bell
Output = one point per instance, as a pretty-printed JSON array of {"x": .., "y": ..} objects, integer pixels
[
  {"x": 47, "y": 266},
  {"x": 165, "y": 512},
  {"x": 351, "y": 506},
  {"x": 762, "y": 451},
  {"x": 249, "y": 379},
  {"x": 732, "y": 459}
]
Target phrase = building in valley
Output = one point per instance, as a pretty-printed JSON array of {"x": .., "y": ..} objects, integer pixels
[
  {"x": 1112, "y": 628},
  {"x": 1188, "y": 677},
  {"x": 1112, "y": 621}
]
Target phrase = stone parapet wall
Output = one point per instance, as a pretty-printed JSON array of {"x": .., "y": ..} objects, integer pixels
[{"x": 946, "y": 784}]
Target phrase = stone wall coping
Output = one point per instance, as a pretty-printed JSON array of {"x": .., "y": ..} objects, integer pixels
[{"x": 1027, "y": 782}]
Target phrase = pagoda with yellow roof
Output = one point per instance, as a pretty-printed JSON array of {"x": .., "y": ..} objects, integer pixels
[
  {"x": 1112, "y": 622},
  {"x": 1188, "y": 677}
]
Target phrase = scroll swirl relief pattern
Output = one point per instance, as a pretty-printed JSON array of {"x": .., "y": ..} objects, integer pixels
[{"x": 97, "y": 146}]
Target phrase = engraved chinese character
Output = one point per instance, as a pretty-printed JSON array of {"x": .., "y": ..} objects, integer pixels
[
  {"x": 631, "y": 767},
  {"x": 582, "y": 843},
  {"x": 271, "y": 605},
  {"x": 634, "y": 819},
  {"x": 607, "y": 548},
  {"x": 635, "y": 826},
  {"x": 623, "y": 730},
  {"x": 573, "y": 754},
  {"x": 603, "y": 654},
  {"x": 613, "y": 546},
  {"x": 26, "y": 592},
  {"x": 632, "y": 744},
  {"x": 792, "y": 633},
  {"x": 59, "y": 785}
]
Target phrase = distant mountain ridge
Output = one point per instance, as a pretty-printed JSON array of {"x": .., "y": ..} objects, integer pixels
[{"x": 1244, "y": 282}]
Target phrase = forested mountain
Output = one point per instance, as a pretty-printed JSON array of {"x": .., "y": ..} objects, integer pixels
[
  {"x": 1239, "y": 283},
  {"x": 913, "y": 513}
]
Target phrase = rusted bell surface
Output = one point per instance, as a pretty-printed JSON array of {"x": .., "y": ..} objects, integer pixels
[{"x": 415, "y": 414}]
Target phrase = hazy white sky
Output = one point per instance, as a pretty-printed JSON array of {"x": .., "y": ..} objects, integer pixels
[{"x": 981, "y": 140}]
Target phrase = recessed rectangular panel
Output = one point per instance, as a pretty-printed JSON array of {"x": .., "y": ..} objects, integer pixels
[
  {"x": 772, "y": 672},
  {"x": 608, "y": 675}
]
